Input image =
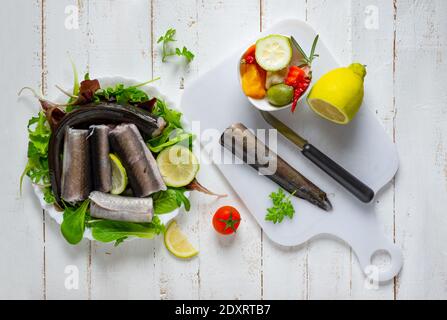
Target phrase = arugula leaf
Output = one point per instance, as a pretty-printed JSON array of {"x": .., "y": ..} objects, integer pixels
[
  {"x": 122, "y": 95},
  {"x": 169, "y": 200},
  {"x": 166, "y": 39},
  {"x": 173, "y": 117},
  {"x": 118, "y": 231},
  {"x": 185, "y": 53},
  {"x": 169, "y": 137},
  {"x": 48, "y": 195},
  {"x": 39, "y": 134},
  {"x": 282, "y": 207},
  {"x": 73, "y": 226}
]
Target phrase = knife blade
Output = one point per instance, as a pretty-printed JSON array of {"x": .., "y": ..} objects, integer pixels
[{"x": 360, "y": 190}]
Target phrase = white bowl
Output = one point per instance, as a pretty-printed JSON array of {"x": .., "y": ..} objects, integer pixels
[{"x": 263, "y": 104}]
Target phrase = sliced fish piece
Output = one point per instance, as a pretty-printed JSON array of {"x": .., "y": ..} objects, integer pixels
[
  {"x": 92, "y": 114},
  {"x": 76, "y": 179},
  {"x": 246, "y": 146},
  {"x": 118, "y": 208},
  {"x": 142, "y": 170},
  {"x": 101, "y": 166}
]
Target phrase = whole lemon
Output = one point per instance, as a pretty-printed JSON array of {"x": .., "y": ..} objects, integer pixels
[{"x": 338, "y": 95}]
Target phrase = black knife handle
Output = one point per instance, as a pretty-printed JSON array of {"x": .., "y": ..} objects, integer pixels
[{"x": 347, "y": 180}]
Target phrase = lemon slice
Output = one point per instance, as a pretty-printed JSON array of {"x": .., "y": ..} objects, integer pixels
[
  {"x": 273, "y": 53},
  {"x": 119, "y": 175},
  {"x": 177, "y": 243},
  {"x": 338, "y": 95},
  {"x": 178, "y": 166}
]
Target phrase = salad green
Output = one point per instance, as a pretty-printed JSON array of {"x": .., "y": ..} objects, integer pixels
[
  {"x": 73, "y": 225},
  {"x": 39, "y": 134},
  {"x": 118, "y": 231}
]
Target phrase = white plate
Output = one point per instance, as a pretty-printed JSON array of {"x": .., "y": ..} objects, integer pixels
[
  {"x": 108, "y": 82},
  {"x": 362, "y": 147}
]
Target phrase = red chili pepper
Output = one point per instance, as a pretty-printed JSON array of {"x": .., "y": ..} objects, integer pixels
[
  {"x": 299, "y": 80},
  {"x": 250, "y": 55}
]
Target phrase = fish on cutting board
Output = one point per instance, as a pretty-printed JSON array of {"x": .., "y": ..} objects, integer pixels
[{"x": 246, "y": 146}]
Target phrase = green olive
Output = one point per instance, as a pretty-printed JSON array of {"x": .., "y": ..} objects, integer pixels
[{"x": 280, "y": 95}]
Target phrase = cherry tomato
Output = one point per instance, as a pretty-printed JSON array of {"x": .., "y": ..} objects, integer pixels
[{"x": 226, "y": 220}]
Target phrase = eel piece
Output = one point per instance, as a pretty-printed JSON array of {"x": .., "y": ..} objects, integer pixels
[
  {"x": 247, "y": 147},
  {"x": 118, "y": 208},
  {"x": 92, "y": 114},
  {"x": 76, "y": 180},
  {"x": 101, "y": 166},
  {"x": 141, "y": 167}
]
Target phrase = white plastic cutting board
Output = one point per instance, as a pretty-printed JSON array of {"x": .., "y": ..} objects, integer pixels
[{"x": 363, "y": 148}]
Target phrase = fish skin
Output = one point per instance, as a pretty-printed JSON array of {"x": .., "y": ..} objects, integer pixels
[
  {"x": 76, "y": 180},
  {"x": 101, "y": 165},
  {"x": 118, "y": 208},
  {"x": 244, "y": 144},
  {"x": 142, "y": 170}
]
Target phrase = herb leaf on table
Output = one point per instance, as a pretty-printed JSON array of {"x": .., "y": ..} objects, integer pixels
[
  {"x": 166, "y": 39},
  {"x": 282, "y": 207}
]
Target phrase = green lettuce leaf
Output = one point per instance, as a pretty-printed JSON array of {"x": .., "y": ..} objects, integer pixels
[
  {"x": 73, "y": 226},
  {"x": 169, "y": 200},
  {"x": 118, "y": 231}
]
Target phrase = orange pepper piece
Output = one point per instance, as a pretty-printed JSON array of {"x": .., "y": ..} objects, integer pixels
[{"x": 253, "y": 81}]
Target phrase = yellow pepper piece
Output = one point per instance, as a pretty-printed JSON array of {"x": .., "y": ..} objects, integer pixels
[{"x": 253, "y": 81}]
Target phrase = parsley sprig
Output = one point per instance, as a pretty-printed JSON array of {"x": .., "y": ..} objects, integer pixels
[
  {"x": 282, "y": 207},
  {"x": 167, "y": 51}
]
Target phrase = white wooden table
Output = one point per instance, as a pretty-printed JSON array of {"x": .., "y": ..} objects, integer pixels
[{"x": 404, "y": 44}]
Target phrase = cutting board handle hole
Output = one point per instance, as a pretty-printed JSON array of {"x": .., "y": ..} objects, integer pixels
[{"x": 382, "y": 259}]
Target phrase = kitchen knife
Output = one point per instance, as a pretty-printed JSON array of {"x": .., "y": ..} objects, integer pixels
[{"x": 360, "y": 190}]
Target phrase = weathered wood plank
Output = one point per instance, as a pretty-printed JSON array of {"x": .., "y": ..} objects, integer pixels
[
  {"x": 21, "y": 248},
  {"x": 280, "y": 261},
  {"x": 421, "y": 136},
  {"x": 120, "y": 44},
  {"x": 230, "y": 267},
  {"x": 372, "y": 45},
  {"x": 329, "y": 261},
  {"x": 177, "y": 279},
  {"x": 62, "y": 39}
]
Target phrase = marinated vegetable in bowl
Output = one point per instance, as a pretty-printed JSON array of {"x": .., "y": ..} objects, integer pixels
[{"x": 277, "y": 69}]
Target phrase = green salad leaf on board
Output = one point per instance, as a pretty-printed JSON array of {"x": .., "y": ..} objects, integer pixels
[{"x": 282, "y": 207}]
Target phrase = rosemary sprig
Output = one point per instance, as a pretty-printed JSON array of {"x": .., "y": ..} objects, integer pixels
[{"x": 307, "y": 60}]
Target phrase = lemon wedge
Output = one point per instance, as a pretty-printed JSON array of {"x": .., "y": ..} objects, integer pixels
[
  {"x": 177, "y": 243},
  {"x": 119, "y": 175}
]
